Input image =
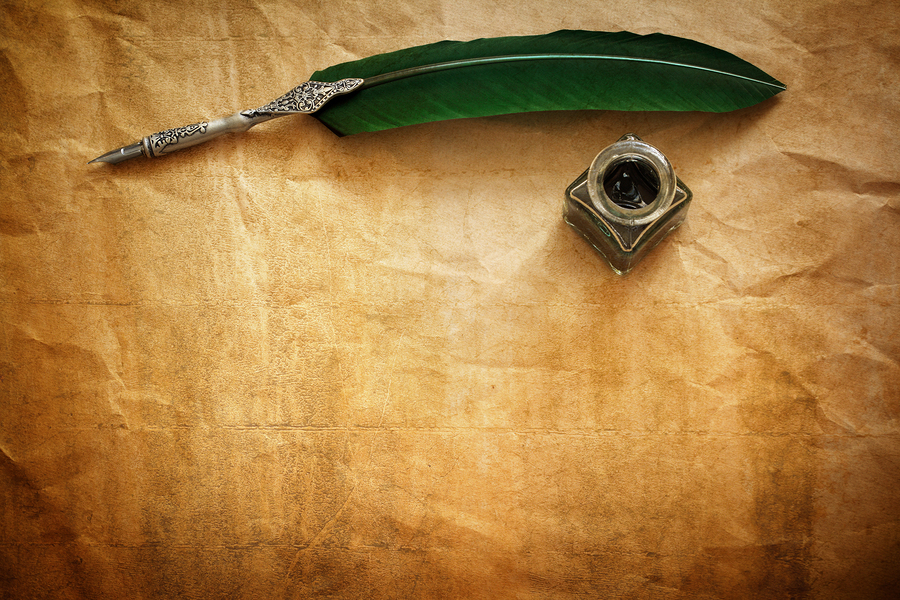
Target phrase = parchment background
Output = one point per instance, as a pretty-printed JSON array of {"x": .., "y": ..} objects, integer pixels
[{"x": 290, "y": 365}]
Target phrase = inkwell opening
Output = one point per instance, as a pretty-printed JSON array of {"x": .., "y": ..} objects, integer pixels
[{"x": 631, "y": 183}]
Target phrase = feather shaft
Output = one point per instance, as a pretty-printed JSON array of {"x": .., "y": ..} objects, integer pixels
[{"x": 413, "y": 71}]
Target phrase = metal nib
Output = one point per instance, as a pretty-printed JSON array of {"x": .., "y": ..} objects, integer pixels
[{"x": 121, "y": 154}]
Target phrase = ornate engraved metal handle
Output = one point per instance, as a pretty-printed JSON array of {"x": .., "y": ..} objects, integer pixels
[
  {"x": 177, "y": 138},
  {"x": 307, "y": 97}
]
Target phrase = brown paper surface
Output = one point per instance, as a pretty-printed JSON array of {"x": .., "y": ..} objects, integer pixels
[{"x": 291, "y": 365}]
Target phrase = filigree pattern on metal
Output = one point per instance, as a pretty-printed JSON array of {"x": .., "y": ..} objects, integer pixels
[
  {"x": 308, "y": 97},
  {"x": 162, "y": 140}
]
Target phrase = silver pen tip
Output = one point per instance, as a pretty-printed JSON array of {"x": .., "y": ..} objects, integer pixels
[{"x": 120, "y": 154}]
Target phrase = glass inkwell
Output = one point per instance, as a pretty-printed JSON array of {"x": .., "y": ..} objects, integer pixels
[{"x": 626, "y": 202}]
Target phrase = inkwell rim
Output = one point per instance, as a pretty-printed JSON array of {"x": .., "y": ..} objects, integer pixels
[{"x": 631, "y": 148}]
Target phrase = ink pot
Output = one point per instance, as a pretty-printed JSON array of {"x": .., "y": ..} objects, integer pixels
[{"x": 626, "y": 202}]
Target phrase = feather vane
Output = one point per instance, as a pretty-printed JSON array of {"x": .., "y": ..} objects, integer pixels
[{"x": 565, "y": 70}]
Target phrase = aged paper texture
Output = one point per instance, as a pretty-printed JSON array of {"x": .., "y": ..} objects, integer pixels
[{"x": 291, "y": 365}]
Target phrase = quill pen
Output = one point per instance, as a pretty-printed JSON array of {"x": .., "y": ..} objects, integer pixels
[{"x": 565, "y": 70}]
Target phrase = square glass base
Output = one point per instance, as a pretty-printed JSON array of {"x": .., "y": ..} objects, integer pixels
[{"x": 623, "y": 246}]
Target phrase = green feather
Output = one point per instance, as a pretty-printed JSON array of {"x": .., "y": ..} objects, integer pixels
[{"x": 565, "y": 70}]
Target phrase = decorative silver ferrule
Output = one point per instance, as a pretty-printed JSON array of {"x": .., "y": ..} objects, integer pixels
[{"x": 308, "y": 97}]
